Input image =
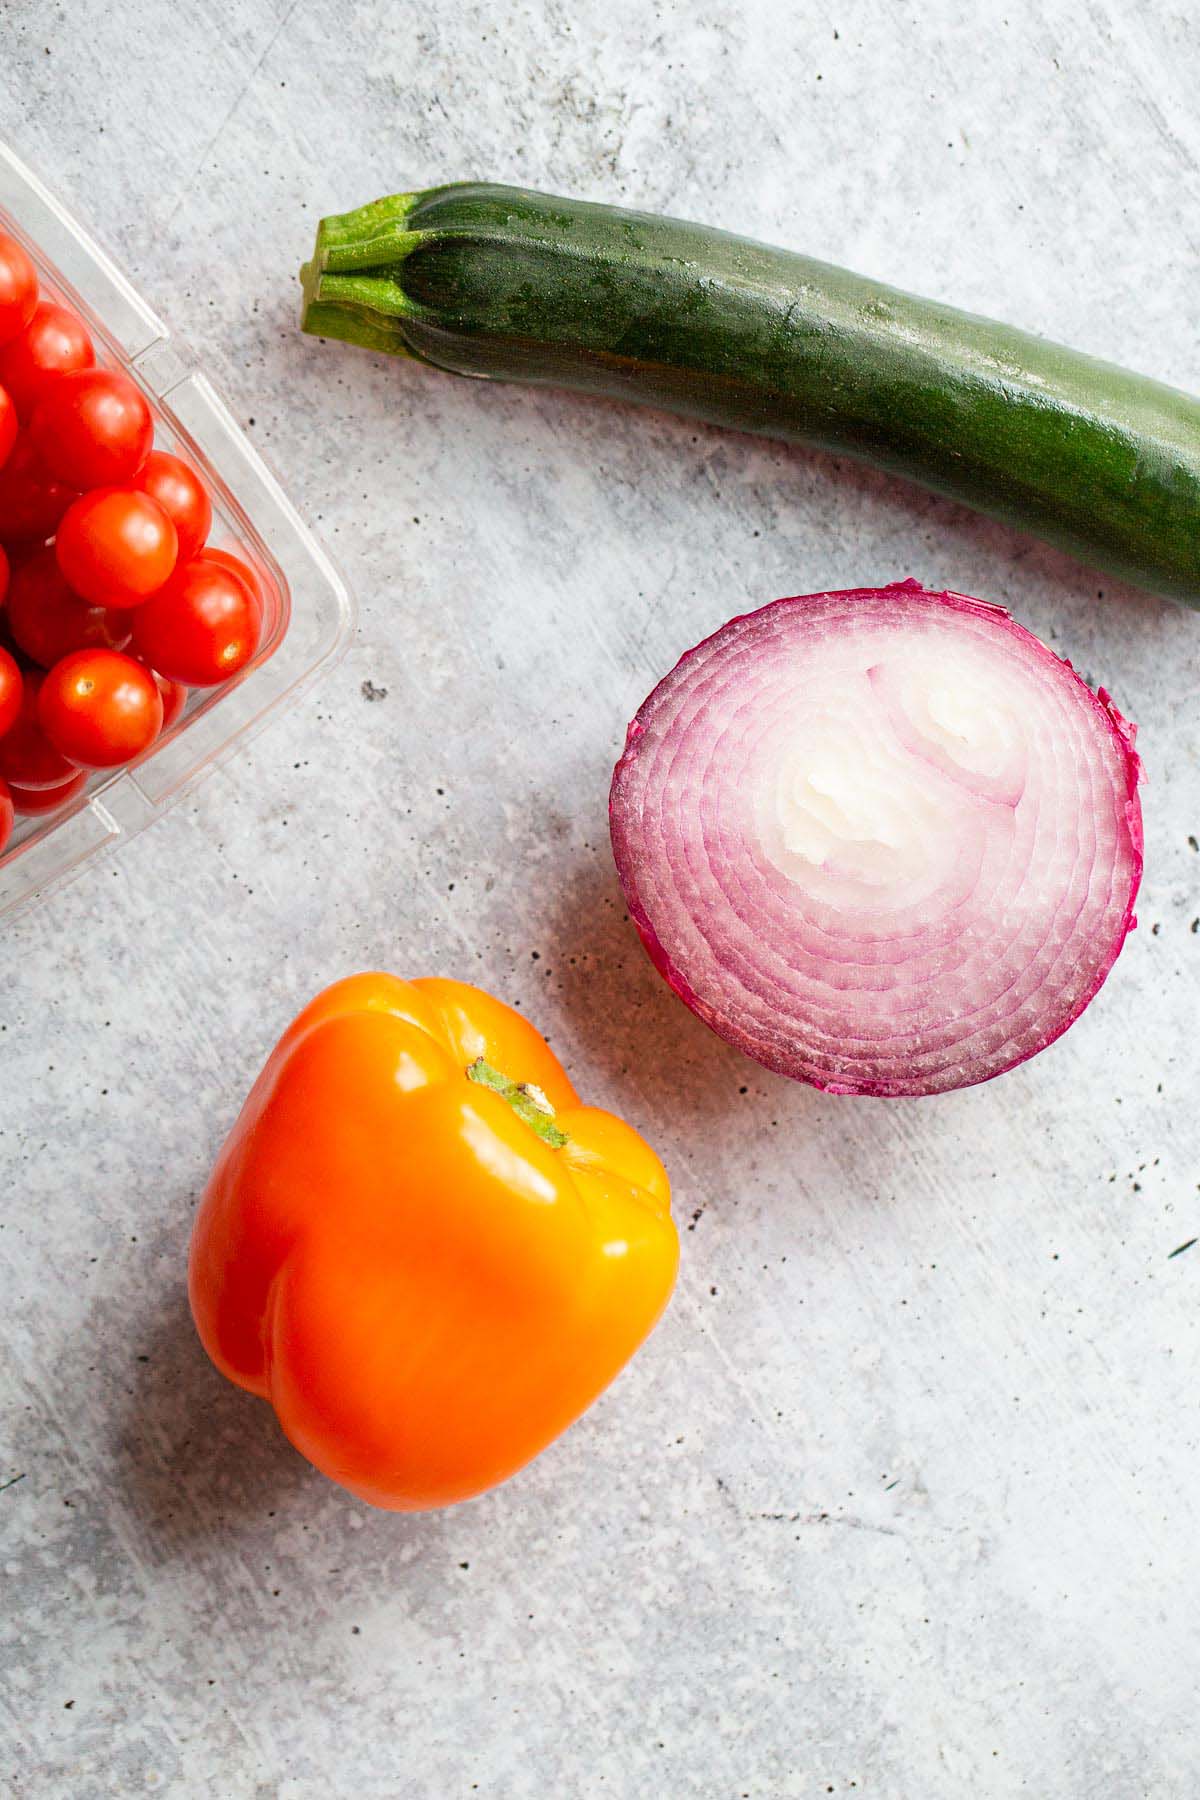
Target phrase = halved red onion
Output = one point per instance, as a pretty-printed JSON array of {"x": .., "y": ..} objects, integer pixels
[{"x": 884, "y": 841}]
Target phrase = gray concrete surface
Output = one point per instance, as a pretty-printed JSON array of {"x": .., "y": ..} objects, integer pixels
[{"x": 902, "y": 1499}]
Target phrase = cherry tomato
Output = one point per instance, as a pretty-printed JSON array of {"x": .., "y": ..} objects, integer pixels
[
  {"x": 7, "y": 642},
  {"x": 8, "y": 424},
  {"x": 92, "y": 428},
  {"x": 18, "y": 288},
  {"x": 27, "y": 757},
  {"x": 100, "y": 708},
  {"x": 11, "y": 686},
  {"x": 244, "y": 569},
  {"x": 182, "y": 496},
  {"x": 54, "y": 342},
  {"x": 116, "y": 546},
  {"x": 48, "y": 619},
  {"x": 6, "y": 815},
  {"x": 173, "y": 695},
  {"x": 201, "y": 628},
  {"x": 236, "y": 566},
  {"x": 35, "y": 801},
  {"x": 32, "y": 501}
]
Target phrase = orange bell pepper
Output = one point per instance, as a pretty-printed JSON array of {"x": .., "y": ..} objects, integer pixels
[{"x": 420, "y": 1246}]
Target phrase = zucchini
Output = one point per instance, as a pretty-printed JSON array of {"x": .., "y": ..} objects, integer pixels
[{"x": 518, "y": 286}]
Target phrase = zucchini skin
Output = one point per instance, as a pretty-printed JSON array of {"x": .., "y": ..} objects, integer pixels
[{"x": 512, "y": 285}]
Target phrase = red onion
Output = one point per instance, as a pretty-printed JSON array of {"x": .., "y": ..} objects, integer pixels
[{"x": 884, "y": 841}]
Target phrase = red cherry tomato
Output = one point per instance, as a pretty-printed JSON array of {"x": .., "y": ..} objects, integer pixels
[
  {"x": 32, "y": 501},
  {"x": 8, "y": 424},
  {"x": 245, "y": 571},
  {"x": 32, "y": 802},
  {"x": 227, "y": 560},
  {"x": 27, "y": 757},
  {"x": 201, "y": 628},
  {"x": 172, "y": 693},
  {"x": 174, "y": 697},
  {"x": 100, "y": 708},
  {"x": 54, "y": 342},
  {"x": 48, "y": 619},
  {"x": 7, "y": 643},
  {"x": 116, "y": 546},
  {"x": 18, "y": 288},
  {"x": 182, "y": 496},
  {"x": 6, "y": 815},
  {"x": 92, "y": 428},
  {"x": 11, "y": 686}
]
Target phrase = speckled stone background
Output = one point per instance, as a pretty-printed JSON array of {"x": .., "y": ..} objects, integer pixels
[{"x": 902, "y": 1499}]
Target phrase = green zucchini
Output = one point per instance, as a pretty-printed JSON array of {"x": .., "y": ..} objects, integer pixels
[{"x": 518, "y": 286}]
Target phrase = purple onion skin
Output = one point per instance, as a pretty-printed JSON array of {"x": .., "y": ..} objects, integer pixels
[{"x": 1121, "y": 732}]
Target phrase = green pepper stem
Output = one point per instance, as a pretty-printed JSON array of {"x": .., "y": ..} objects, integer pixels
[{"x": 528, "y": 1102}]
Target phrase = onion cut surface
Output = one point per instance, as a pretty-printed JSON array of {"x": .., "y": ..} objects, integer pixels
[{"x": 884, "y": 840}]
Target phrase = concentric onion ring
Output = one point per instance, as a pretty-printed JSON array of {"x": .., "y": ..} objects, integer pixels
[{"x": 884, "y": 841}]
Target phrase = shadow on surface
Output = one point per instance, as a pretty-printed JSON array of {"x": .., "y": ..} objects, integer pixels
[
  {"x": 768, "y": 469},
  {"x": 625, "y": 1017},
  {"x": 195, "y": 1455}
]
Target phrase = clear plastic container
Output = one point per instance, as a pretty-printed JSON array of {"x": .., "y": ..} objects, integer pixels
[{"x": 308, "y": 615}]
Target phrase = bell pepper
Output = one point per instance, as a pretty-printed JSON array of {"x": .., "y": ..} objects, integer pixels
[{"x": 420, "y": 1246}]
